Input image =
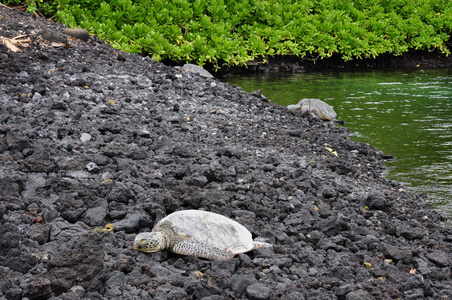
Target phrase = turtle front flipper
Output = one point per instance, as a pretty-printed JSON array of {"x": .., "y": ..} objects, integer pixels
[{"x": 190, "y": 247}]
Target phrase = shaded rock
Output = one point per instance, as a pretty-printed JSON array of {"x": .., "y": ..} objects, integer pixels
[
  {"x": 40, "y": 232},
  {"x": 38, "y": 289},
  {"x": 12, "y": 254},
  {"x": 16, "y": 142}
]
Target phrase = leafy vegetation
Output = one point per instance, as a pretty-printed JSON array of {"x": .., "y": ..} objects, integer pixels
[{"x": 234, "y": 32}]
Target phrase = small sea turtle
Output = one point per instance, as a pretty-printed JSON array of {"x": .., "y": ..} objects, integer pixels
[
  {"x": 316, "y": 107},
  {"x": 200, "y": 233}
]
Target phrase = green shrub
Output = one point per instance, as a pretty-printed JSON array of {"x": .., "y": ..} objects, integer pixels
[{"x": 234, "y": 32}]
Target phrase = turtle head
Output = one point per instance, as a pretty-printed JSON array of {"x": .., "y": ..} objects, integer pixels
[{"x": 149, "y": 242}]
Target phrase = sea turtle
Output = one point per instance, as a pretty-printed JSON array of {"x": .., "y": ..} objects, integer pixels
[
  {"x": 200, "y": 233},
  {"x": 316, "y": 107}
]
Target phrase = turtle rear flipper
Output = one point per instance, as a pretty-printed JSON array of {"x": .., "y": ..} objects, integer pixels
[{"x": 190, "y": 247}]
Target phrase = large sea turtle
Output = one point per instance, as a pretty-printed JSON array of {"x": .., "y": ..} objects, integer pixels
[
  {"x": 200, "y": 233},
  {"x": 316, "y": 107}
]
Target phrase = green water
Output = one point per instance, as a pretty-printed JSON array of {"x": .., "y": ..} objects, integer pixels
[{"x": 407, "y": 114}]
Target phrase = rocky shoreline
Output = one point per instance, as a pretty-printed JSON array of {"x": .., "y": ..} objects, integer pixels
[{"x": 90, "y": 136}]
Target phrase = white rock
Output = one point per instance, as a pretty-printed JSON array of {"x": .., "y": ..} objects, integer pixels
[{"x": 85, "y": 137}]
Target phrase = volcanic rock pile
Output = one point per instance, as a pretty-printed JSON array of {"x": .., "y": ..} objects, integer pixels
[{"x": 91, "y": 136}]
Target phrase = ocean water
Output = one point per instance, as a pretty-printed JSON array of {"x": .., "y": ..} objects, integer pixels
[{"x": 404, "y": 113}]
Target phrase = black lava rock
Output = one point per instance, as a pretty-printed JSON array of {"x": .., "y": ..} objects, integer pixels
[{"x": 97, "y": 145}]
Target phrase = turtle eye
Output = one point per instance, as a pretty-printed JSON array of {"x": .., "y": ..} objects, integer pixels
[{"x": 143, "y": 244}]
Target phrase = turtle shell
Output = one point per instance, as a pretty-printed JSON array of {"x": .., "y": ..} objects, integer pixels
[
  {"x": 211, "y": 229},
  {"x": 316, "y": 107}
]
